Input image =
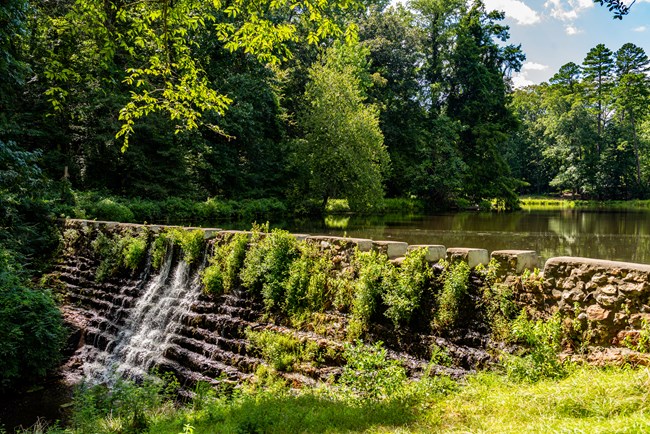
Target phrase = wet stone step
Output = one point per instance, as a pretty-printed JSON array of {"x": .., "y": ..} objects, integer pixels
[
  {"x": 199, "y": 363},
  {"x": 216, "y": 353},
  {"x": 222, "y": 325},
  {"x": 233, "y": 345}
]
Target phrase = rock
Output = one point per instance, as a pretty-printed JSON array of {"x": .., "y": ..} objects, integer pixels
[
  {"x": 597, "y": 313},
  {"x": 434, "y": 252},
  {"x": 473, "y": 257},
  {"x": 515, "y": 261},
  {"x": 393, "y": 249}
]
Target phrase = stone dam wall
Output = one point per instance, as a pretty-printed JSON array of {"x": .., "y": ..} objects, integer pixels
[{"x": 134, "y": 321}]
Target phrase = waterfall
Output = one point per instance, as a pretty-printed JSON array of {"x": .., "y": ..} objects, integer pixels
[{"x": 151, "y": 323}]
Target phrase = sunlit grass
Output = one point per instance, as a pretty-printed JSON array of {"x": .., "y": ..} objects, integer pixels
[
  {"x": 536, "y": 204},
  {"x": 588, "y": 400}
]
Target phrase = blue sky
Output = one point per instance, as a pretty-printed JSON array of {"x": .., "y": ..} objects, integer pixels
[{"x": 554, "y": 32}]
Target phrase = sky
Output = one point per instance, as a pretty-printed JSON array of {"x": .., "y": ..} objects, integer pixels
[{"x": 555, "y": 32}]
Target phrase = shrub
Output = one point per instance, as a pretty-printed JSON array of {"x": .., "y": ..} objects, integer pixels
[
  {"x": 115, "y": 251},
  {"x": 453, "y": 292},
  {"x": 372, "y": 267},
  {"x": 267, "y": 264},
  {"x": 30, "y": 325},
  {"x": 404, "y": 286},
  {"x": 222, "y": 275},
  {"x": 159, "y": 250},
  {"x": 369, "y": 375},
  {"x": 134, "y": 250},
  {"x": 191, "y": 242},
  {"x": 108, "y": 209},
  {"x": 282, "y": 351},
  {"x": 542, "y": 342},
  {"x": 307, "y": 283}
]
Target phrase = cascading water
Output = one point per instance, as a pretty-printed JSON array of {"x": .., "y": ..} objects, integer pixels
[{"x": 151, "y": 324}]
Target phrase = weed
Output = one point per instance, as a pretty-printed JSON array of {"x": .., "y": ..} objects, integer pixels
[
  {"x": 371, "y": 268},
  {"x": 307, "y": 288},
  {"x": 134, "y": 250},
  {"x": 453, "y": 293},
  {"x": 642, "y": 341},
  {"x": 267, "y": 264},
  {"x": 159, "y": 250},
  {"x": 282, "y": 351},
  {"x": 222, "y": 274},
  {"x": 405, "y": 285},
  {"x": 440, "y": 356},
  {"x": 542, "y": 341},
  {"x": 191, "y": 242},
  {"x": 369, "y": 375}
]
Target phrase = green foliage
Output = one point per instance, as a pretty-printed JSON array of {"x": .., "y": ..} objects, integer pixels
[
  {"x": 124, "y": 407},
  {"x": 134, "y": 250},
  {"x": 453, "y": 294},
  {"x": 159, "y": 250},
  {"x": 25, "y": 210},
  {"x": 117, "y": 251},
  {"x": 31, "y": 327},
  {"x": 307, "y": 285},
  {"x": 642, "y": 341},
  {"x": 405, "y": 286},
  {"x": 342, "y": 154},
  {"x": 371, "y": 269},
  {"x": 267, "y": 266},
  {"x": 107, "y": 209},
  {"x": 282, "y": 351},
  {"x": 542, "y": 340},
  {"x": 191, "y": 242},
  {"x": 369, "y": 375},
  {"x": 222, "y": 273}
]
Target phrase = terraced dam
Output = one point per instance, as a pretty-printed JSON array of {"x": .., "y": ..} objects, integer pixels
[{"x": 158, "y": 314}]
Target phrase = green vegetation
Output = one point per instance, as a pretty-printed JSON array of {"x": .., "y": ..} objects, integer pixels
[
  {"x": 281, "y": 351},
  {"x": 586, "y": 400},
  {"x": 31, "y": 327},
  {"x": 222, "y": 273},
  {"x": 119, "y": 251},
  {"x": 267, "y": 265},
  {"x": 454, "y": 293}
]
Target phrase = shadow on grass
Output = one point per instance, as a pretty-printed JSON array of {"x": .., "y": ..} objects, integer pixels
[{"x": 295, "y": 414}]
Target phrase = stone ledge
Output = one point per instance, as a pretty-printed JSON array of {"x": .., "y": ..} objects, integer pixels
[
  {"x": 473, "y": 257},
  {"x": 515, "y": 260},
  {"x": 435, "y": 252},
  {"x": 392, "y": 249},
  {"x": 363, "y": 244}
]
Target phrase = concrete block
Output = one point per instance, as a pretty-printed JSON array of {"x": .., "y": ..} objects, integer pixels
[
  {"x": 301, "y": 237},
  {"x": 363, "y": 244},
  {"x": 393, "y": 249},
  {"x": 435, "y": 252},
  {"x": 515, "y": 261},
  {"x": 473, "y": 257}
]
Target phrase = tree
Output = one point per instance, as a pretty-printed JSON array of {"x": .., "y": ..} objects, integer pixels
[
  {"x": 154, "y": 45},
  {"x": 342, "y": 151},
  {"x": 478, "y": 100},
  {"x": 620, "y": 8},
  {"x": 598, "y": 68}
]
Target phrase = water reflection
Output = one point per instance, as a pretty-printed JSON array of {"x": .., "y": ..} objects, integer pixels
[{"x": 623, "y": 236}]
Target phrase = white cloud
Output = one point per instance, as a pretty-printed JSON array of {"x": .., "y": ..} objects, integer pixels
[
  {"x": 533, "y": 66},
  {"x": 640, "y": 29},
  {"x": 515, "y": 9},
  {"x": 568, "y": 10},
  {"x": 520, "y": 80},
  {"x": 572, "y": 30}
]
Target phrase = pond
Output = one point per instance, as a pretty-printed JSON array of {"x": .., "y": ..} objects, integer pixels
[{"x": 620, "y": 236}]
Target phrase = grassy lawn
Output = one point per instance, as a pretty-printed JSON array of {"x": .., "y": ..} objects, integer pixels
[{"x": 587, "y": 400}]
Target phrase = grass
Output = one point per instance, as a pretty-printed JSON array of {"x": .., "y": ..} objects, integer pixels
[
  {"x": 588, "y": 400},
  {"x": 545, "y": 203}
]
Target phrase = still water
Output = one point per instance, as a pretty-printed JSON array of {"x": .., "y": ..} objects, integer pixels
[{"x": 621, "y": 236}]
